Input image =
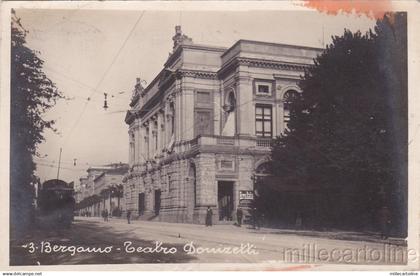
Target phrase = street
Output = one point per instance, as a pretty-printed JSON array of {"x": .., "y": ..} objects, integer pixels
[{"x": 116, "y": 242}]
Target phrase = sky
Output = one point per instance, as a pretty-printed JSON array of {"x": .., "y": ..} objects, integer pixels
[{"x": 91, "y": 52}]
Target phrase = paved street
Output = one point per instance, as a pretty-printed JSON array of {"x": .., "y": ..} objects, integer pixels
[{"x": 184, "y": 243}]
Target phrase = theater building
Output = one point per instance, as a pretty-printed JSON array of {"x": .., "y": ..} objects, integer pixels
[{"x": 202, "y": 128}]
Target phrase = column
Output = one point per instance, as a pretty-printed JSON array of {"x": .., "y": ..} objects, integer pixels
[
  {"x": 136, "y": 137},
  {"x": 141, "y": 145},
  {"x": 178, "y": 110},
  {"x": 245, "y": 103},
  {"x": 217, "y": 96},
  {"x": 160, "y": 131},
  {"x": 155, "y": 136},
  {"x": 150, "y": 139},
  {"x": 138, "y": 143}
]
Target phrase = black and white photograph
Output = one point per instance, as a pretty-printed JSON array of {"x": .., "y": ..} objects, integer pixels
[{"x": 233, "y": 138}]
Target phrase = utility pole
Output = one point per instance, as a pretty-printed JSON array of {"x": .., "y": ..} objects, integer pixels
[{"x": 59, "y": 163}]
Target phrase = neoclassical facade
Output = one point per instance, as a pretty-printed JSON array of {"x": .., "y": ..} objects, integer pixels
[{"x": 203, "y": 127}]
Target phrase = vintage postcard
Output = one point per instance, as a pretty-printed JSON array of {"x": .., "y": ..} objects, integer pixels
[{"x": 210, "y": 135}]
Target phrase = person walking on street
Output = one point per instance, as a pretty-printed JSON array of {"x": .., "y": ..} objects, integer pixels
[
  {"x": 239, "y": 215},
  {"x": 106, "y": 214},
  {"x": 103, "y": 215},
  {"x": 209, "y": 216},
  {"x": 256, "y": 218},
  {"x": 129, "y": 216}
]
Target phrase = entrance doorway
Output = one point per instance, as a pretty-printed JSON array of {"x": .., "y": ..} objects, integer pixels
[
  {"x": 225, "y": 200},
  {"x": 157, "y": 202},
  {"x": 141, "y": 204}
]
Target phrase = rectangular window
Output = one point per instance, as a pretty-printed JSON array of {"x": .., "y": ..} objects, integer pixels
[
  {"x": 203, "y": 122},
  {"x": 226, "y": 165},
  {"x": 263, "y": 89},
  {"x": 171, "y": 183},
  {"x": 203, "y": 97},
  {"x": 263, "y": 121}
]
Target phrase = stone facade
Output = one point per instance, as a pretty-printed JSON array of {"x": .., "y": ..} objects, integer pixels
[{"x": 201, "y": 128}]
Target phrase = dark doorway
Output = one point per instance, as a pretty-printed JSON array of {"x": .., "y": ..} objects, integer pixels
[
  {"x": 157, "y": 202},
  {"x": 225, "y": 200},
  {"x": 141, "y": 203}
]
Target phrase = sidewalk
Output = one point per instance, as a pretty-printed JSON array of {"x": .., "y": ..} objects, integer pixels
[
  {"x": 334, "y": 235},
  {"x": 342, "y": 235}
]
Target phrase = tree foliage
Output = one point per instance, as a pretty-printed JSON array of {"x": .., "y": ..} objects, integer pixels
[
  {"x": 347, "y": 135},
  {"x": 32, "y": 94}
]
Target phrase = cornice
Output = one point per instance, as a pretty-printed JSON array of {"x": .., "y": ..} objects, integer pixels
[
  {"x": 212, "y": 149},
  {"x": 260, "y": 63},
  {"x": 200, "y": 74}
]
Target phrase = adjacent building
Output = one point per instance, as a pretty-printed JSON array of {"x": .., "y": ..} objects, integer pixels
[
  {"x": 102, "y": 189},
  {"x": 202, "y": 128}
]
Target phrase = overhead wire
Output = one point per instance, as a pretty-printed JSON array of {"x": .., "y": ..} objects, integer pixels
[
  {"x": 103, "y": 76},
  {"x": 83, "y": 84}
]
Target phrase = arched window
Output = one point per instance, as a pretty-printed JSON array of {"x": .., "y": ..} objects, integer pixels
[
  {"x": 230, "y": 103},
  {"x": 264, "y": 169},
  {"x": 229, "y": 117},
  {"x": 288, "y": 98}
]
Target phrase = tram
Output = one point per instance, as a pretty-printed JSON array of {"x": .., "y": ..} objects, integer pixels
[{"x": 56, "y": 203}]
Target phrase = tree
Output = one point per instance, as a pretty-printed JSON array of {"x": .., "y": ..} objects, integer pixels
[
  {"x": 347, "y": 132},
  {"x": 32, "y": 94}
]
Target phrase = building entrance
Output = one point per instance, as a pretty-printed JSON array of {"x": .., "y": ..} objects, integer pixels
[
  {"x": 141, "y": 204},
  {"x": 225, "y": 200},
  {"x": 157, "y": 202}
]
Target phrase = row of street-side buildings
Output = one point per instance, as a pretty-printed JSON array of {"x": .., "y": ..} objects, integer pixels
[{"x": 101, "y": 189}]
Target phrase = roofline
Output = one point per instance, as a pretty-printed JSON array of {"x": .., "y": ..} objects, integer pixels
[
  {"x": 225, "y": 50},
  {"x": 205, "y": 47},
  {"x": 272, "y": 44},
  {"x": 177, "y": 50}
]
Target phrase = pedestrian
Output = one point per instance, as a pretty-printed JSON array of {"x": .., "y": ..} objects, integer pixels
[
  {"x": 256, "y": 218},
  {"x": 106, "y": 214},
  {"x": 239, "y": 215},
  {"x": 103, "y": 214},
  {"x": 385, "y": 222},
  {"x": 209, "y": 216},
  {"x": 129, "y": 216}
]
